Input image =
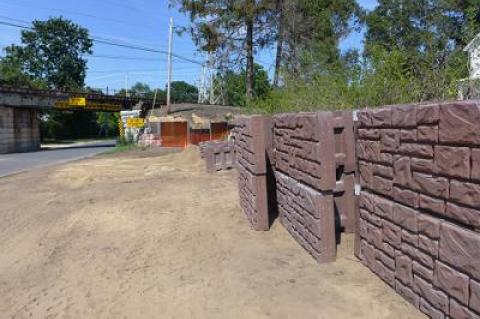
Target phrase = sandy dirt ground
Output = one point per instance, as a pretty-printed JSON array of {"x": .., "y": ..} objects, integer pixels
[{"x": 144, "y": 235}]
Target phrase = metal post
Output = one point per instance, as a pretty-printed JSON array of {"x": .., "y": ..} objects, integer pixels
[
  {"x": 154, "y": 100},
  {"x": 169, "y": 69},
  {"x": 126, "y": 85}
]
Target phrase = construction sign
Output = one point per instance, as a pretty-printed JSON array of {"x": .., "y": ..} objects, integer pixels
[
  {"x": 71, "y": 102},
  {"x": 135, "y": 122}
]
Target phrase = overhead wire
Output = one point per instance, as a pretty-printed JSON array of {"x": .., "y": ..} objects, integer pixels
[
  {"x": 117, "y": 44},
  {"x": 77, "y": 13}
]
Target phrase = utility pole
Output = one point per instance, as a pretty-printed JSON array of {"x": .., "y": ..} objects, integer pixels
[
  {"x": 126, "y": 85},
  {"x": 203, "y": 90},
  {"x": 169, "y": 67}
]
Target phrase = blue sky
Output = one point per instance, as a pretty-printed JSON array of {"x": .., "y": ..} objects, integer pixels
[{"x": 142, "y": 22}]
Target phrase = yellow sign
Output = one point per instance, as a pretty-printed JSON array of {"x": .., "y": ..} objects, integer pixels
[
  {"x": 71, "y": 102},
  {"x": 77, "y": 101},
  {"x": 135, "y": 122}
]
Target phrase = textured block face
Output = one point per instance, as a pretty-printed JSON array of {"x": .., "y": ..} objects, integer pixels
[
  {"x": 460, "y": 123},
  {"x": 308, "y": 216},
  {"x": 452, "y": 161},
  {"x": 306, "y": 147},
  {"x": 252, "y": 144},
  {"x": 426, "y": 198},
  {"x": 460, "y": 247},
  {"x": 218, "y": 155}
]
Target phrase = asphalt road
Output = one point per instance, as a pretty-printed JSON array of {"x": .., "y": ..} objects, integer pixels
[{"x": 20, "y": 162}]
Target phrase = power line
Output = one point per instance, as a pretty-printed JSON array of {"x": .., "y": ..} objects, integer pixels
[
  {"x": 116, "y": 44},
  {"x": 87, "y": 15}
]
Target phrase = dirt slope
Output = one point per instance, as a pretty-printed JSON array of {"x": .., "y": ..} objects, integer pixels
[{"x": 129, "y": 236}]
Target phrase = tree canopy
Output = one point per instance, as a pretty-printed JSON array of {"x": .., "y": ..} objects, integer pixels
[{"x": 53, "y": 52}]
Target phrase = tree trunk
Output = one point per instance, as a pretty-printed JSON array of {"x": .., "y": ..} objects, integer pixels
[
  {"x": 278, "y": 58},
  {"x": 249, "y": 48}
]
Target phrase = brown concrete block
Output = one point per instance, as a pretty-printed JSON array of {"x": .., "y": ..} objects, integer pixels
[
  {"x": 432, "y": 204},
  {"x": 428, "y": 184},
  {"x": 465, "y": 193},
  {"x": 460, "y": 247},
  {"x": 457, "y": 311},
  {"x": 424, "y": 258},
  {"x": 382, "y": 185},
  {"x": 402, "y": 171},
  {"x": 452, "y": 161},
  {"x": 364, "y": 118},
  {"x": 428, "y": 245},
  {"x": 383, "y": 171},
  {"x": 386, "y": 260},
  {"x": 369, "y": 134},
  {"x": 460, "y": 123},
  {"x": 384, "y": 273},
  {"x": 390, "y": 140},
  {"x": 382, "y": 207},
  {"x": 435, "y": 297},
  {"x": 474, "y": 295},
  {"x": 381, "y": 117},
  {"x": 392, "y": 234},
  {"x": 417, "y": 150},
  {"x": 420, "y": 270},
  {"x": 427, "y": 114},
  {"x": 407, "y": 293},
  {"x": 465, "y": 215},
  {"x": 427, "y": 134},
  {"x": 406, "y": 197},
  {"x": 410, "y": 238},
  {"x": 368, "y": 150},
  {"x": 408, "y": 135},
  {"x": 345, "y": 140},
  {"x": 345, "y": 203},
  {"x": 475, "y": 171},
  {"x": 366, "y": 173},
  {"x": 452, "y": 282},
  {"x": 404, "y": 116},
  {"x": 405, "y": 217},
  {"x": 430, "y": 311},
  {"x": 407, "y": 249},
  {"x": 365, "y": 201},
  {"x": 421, "y": 165},
  {"x": 429, "y": 226}
]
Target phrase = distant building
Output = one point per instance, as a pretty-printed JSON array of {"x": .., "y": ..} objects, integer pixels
[{"x": 470, "y": 88}]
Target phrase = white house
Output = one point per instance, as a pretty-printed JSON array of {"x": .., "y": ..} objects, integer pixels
[{"x": 473, "y": 49}]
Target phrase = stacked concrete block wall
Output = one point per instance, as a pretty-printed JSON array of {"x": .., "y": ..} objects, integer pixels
[
  {"x": 253, "y": 146},
  {"x": 19, "y": 130},
  {"x": 304, "y": 151},
  {"x": 420, "y": 203},
  {"x": 344, "y": 193},
  {"x": 218, "y": 155}
]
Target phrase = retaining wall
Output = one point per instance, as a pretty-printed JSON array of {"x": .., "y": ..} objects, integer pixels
[
  {"x": 420, "y": 203},
  {"x": 304, "y": 152},
  {"x": 218, "y": 155},
  {"x": 345, "y": 160},
  {"x": 253, "y": 147}
]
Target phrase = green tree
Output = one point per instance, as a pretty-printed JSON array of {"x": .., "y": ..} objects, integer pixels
[
  {"x": 234, "y": 84},
  {"x": 182, "y": 92},
  {"x": 232, "y": 30},
  {"x": 53, "y": 51},
  {"x": 11, "y": 73},
  {"x": 312, "y": 31},
  {"x": 431, "y": 34}
]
